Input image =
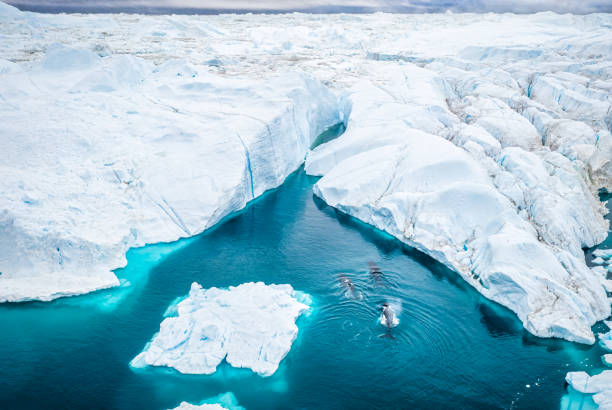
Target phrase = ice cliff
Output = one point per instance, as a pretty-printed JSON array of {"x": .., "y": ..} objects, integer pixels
[
  {"x": 100, "y": 154},
  {"x": 479, "y": 139},
  {"x": 251, "y": 326}
]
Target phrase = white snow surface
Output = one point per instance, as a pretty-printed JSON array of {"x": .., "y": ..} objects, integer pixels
[
  {"x": 480, "y": 139},
  {"x": 251, "y": 325}
]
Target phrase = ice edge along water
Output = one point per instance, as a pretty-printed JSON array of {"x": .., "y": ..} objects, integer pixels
[{"x": 483, "y": 151}]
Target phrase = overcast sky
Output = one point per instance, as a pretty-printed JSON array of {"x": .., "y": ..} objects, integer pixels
[{"x": 152, "y": 6}]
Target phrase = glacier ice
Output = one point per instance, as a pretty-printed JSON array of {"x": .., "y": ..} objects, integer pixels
[
  {"x": 483, "y": 149},
  {"x": 251, "y": 325}
]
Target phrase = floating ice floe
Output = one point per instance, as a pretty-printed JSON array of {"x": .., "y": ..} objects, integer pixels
[
  {"x": 251, "y": 325},
  {"x": 225, "y": 401},
  {"x": 598, "y": 261},
  {"x": 605, "y": 340},
  {"x": 599, "y": 386},
  {"x": 603, "y": 253}
]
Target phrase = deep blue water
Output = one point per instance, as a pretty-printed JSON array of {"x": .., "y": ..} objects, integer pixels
[{"x": 452, "y": 348}]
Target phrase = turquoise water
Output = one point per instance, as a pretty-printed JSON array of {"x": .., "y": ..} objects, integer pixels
[{"x": 452, "y": 348}]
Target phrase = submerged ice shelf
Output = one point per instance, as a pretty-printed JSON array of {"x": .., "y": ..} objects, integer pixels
[
  {"x": 249, "y": 326},
  {"x": 484, "y": 151},
  {"x": 226, "y": 401},
  {"x": 599, "y": 386}
]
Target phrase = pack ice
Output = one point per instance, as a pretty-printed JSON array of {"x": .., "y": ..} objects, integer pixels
[
  {"x": 479, "y": 139},
  {"x": 251, "y": 325}
]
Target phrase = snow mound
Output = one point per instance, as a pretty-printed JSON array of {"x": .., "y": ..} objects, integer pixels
[{"x": 251, "y": 325}]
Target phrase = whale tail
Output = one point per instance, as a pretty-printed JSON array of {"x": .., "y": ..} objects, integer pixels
[{"x": 387, "y": 335}]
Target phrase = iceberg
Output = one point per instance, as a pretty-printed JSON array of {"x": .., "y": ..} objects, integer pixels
[
  {"x": 599, "y": 386},
  {"x": 605, "y": 340},
  {"x": 102, "y": 154},
  {"x": 249, "y": 326}
]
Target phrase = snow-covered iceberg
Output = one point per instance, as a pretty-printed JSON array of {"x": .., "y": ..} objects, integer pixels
[
  {"x": 251, "y": 326},
  {"x": 100, "y": 154}
]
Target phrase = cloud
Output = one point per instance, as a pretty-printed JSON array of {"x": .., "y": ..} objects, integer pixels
[{"x": 411, "y": 6}]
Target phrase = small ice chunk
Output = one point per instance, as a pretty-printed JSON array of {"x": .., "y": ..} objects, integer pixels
[
  {"x": 598, "y": 261},
  {"x": 607, "y": 359},
  {"x": 251, "y": 325},
  {"x": 603, "y": 253},
  {"x": 605, "y": 340}
]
